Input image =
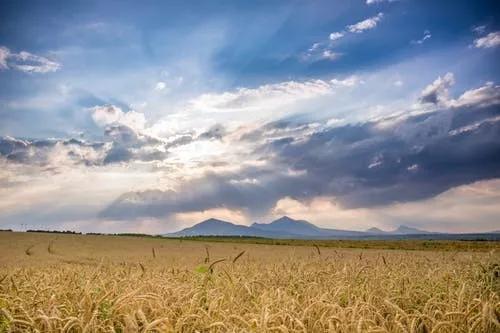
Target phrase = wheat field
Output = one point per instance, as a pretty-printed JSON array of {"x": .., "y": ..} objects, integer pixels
[{"x": 75, "y": 283}]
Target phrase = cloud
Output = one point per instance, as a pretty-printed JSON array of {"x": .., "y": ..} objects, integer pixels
[
  {"x": 490, "y": 40},
  {"x": 265, "y": 96},
  {"x": 349, "y": 81},
  {"x": 190, "y": 218},
  {"x": 124, "y": 139},
  {"x": 480, "y": 29},
  {"x": 322, "y": 51},
  {"x": 121, "y": 144},
  {"x": 452, "y": 210},
  {"x": 371, "y": 2},
  {"x": 4, "y": 55},
  {"x": 330, "y": 55},
  {"x": 365, "y": 165},
  {"x": 437, "y": 92},
  {"x": 489, "y": 94},
  {"x": 427, "y": 35},
  {"x": 325, "y": 51},
  {"x": 129, "y": 144},
  {"x": 215, "y": 132},
  {"x": 367, "y": 24},
  {"x": 336, "y": 35},
  {"x": 51, "y": 154},
  {"x": 160, "y": 86},
  {"x": 105, "y": 115},
  {"x": 26, "y": 62}
]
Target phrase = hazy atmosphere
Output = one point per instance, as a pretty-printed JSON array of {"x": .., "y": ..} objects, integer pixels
[{"x": 127, "y": 116}]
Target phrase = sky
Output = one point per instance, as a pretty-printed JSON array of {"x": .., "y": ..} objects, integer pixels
[{"x": 127, "y": 116}]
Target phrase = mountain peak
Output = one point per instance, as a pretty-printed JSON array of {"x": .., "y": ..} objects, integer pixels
[
  {"x": 403, "y": 229},
  {"x": 375, "y": 230},
  {"x": 284, "y": 219},
  {"x": 213, "y": 220},
  {"x": 286, "y": 224}
]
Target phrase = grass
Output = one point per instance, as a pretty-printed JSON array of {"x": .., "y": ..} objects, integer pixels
[
  {"x": 132, "y": 284},
  {"x": 396, "y": 244}
]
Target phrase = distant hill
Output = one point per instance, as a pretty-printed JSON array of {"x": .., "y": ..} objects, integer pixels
[
  {"x": 214, "y": 227},
  {"x": 377, "y": 231},
  {"x": 286, "y": 227},
  {"x": 405, "y": 230},
  {"x": 401, "y": 230}
]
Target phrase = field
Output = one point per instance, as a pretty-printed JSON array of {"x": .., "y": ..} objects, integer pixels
[{"x": 78, "y": 283}]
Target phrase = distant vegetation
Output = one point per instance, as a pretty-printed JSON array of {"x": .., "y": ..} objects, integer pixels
[
  {"x": 55, "y": 231},
  {"x": 467, "y": 244},
  {"x": 123, "y": 234},
  {"x": 400, "y": 244}
]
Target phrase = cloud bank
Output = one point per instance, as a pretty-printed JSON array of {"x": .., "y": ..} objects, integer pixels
[
  {"x": 402, "y": 158},
  {"x": 26, "y": 62}
]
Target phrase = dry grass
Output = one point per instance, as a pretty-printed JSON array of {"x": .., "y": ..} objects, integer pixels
[{"x": 124, "y": 284}]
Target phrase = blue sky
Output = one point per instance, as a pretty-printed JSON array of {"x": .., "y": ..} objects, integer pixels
[{"x": 306, "y": 108}]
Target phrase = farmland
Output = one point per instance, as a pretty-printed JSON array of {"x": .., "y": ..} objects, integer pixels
[{"x": 77, "y": 283}]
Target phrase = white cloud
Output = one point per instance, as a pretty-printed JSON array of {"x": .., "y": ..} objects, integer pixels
[
  {"x": 105, "y": 115},
  {"x": 437, "y": 92},
  {"x": 26, "y": 62},
  {"x": 349, "y": 81},
  {"x": 270, "y": 95},
  {"x": 371, "y": 2},
  {"x": 336, "y": 35},
  {"x": 321, "y": 51},
  {"x": 398, "y": 83},
  {"x": 330, "y": 55},
  {"x": 4, "y": 54},
  {"x": 367, "y": 24},
  {"x": 427, "y": 35},
  {"x": 490, "y": 40},
  {"x": 489, "y": 94},
  {"x": 314, "y": 47},
  {"x": 480, "y": 29},
  {"x": 265, "y": 96},
  {"x": 160, "y": 86}
]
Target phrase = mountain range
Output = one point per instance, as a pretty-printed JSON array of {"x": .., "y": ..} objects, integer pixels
[{"x": 286, "y": 227}]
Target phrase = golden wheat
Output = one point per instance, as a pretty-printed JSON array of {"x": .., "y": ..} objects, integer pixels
[{"x": 114, "y": 284}]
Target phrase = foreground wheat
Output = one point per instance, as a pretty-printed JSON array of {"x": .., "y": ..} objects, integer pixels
[{"x": 106, "y": 285}]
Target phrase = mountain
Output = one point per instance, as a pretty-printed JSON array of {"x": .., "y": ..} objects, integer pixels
[
  {"x": 377, "y": 231},
  {"x": 405, "y": 230},
  {"x": 401, "y": 230},
  {"x": 214, "y": 227},
  {"x": 292, "y": 228},
  {"x": 286, "y": 225}
]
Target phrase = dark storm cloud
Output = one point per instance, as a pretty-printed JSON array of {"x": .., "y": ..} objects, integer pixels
[
  {"x": 180, "y": 141},
  {"x": 121, "y": 144},
  {"x": 215, "y": 132},
  {"x": 129, "y": 145},
  {"x": 41, "y": 152},
  {"x": 377, "y": 167},
  {"x": 362, "y": 165}
]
